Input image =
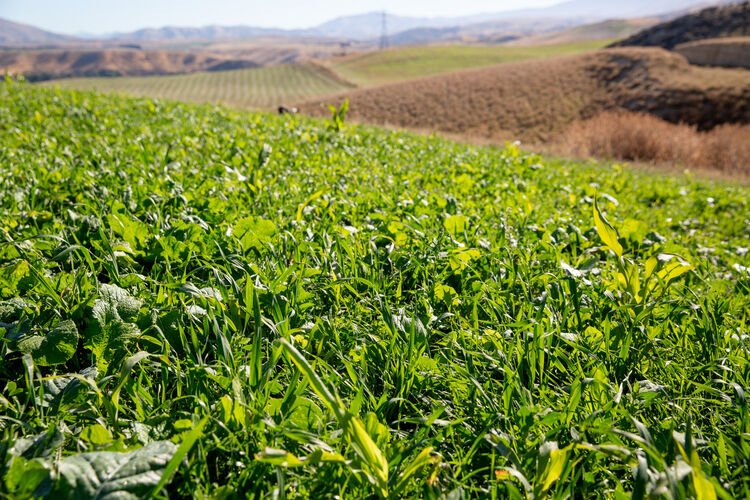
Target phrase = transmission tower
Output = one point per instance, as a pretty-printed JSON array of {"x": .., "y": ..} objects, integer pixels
[{"x": 384, "y": 32}]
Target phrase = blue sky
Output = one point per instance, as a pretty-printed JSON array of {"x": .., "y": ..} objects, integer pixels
[{"x": 106, "y": 16}]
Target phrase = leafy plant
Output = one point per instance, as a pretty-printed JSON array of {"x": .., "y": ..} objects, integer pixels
[{"x": 196, "y": 302}]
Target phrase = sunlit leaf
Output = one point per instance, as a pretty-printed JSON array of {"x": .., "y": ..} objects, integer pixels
[{"x": 607, "y": 232}]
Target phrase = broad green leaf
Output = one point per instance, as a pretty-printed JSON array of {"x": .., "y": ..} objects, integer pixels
[
  {"x": 96, "y": 434},
  {"x": 11, "y": 310},
  {"x": 461, "y": 259},
  {"x": 132, "y": 231},
  {"x": 253, "y": 232},
  {"x": 109, "y": 475},
  {"x": 674, "y": 270},
  {"x": 12, "y": 277},
  {"x": 233, "y": 411},
  {"x": 606, "y": 231},
  {"x": 634, "y": 230},
  {"x": 455, "y": 224},
  {"x": 556, "y": 460},
  {"x": 112, "y": 328},
  {"x": 54, "y": 348},
  {"x": 23, "y": 478}
]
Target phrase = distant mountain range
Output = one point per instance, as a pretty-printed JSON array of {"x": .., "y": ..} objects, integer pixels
[
  {"x": 369, "y": 26},
  {"x": 22, "y": 34}
]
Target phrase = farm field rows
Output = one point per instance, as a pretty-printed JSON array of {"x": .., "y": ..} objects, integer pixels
[
  {"x": 248, "y": 88},
  {"x": 401, "y": 64},
  {"x": 199, "y": 302}
]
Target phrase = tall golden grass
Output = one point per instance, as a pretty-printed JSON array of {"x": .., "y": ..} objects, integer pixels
[{"x": 644, "y": 138}]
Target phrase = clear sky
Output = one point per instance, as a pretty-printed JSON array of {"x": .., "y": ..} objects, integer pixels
[{"x": 106, "y": 16}]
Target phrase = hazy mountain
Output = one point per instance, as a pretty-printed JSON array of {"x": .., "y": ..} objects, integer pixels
[
  {"x": 17, "y": 34},
  {"x": 369, "y": 26},
  {"x": 498, "y": 31},
  {"x": 178, "y": 34},
  {"x": 599, "y": 10},
  {"x": 574, "y": 12}
]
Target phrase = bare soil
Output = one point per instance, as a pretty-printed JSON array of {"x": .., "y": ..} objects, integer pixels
[{"x": 733, "y": 52}]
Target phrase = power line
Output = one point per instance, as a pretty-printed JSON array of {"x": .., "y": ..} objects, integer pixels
[{"x": 384, "y": 32}]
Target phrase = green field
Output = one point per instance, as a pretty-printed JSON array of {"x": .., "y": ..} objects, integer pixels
[
  {"x": 249, "y": 88},
  {"x": 197, "y": 302},
  {"x": 375, "y": 68}
]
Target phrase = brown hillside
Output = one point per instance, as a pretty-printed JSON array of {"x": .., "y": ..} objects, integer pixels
[
  {"x": 48, "y": 64},
  {"x": 726, "y": 52},
  {"x": 537, "y": 100},
  {"x": 714, "y": 22}
]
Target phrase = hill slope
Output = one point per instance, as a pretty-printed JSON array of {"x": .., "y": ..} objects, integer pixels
[
  {"x": 611, "y": 29},
  {"x": 714, "y": 22},
  {"x": 399, "y": 64},
  {"x": 535, "y": 100}
]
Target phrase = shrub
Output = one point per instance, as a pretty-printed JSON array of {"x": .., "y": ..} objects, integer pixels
[{"x": 645, "y": 138}]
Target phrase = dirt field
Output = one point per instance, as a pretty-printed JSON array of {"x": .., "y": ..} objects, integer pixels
[
  {"x": 536, "y": 100},
  {"x": 725, "y": 52}
]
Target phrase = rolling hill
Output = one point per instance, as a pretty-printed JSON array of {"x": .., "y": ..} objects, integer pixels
[
  {"x": 714, "y": 22},
  {"x": 397, "y": 64},
  {"x": 611, "y": 29},
  {"x": 535, "y": 100}
]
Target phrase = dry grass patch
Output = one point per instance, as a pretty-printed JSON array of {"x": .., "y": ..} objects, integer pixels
[{"x": 644, "y": 138}]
